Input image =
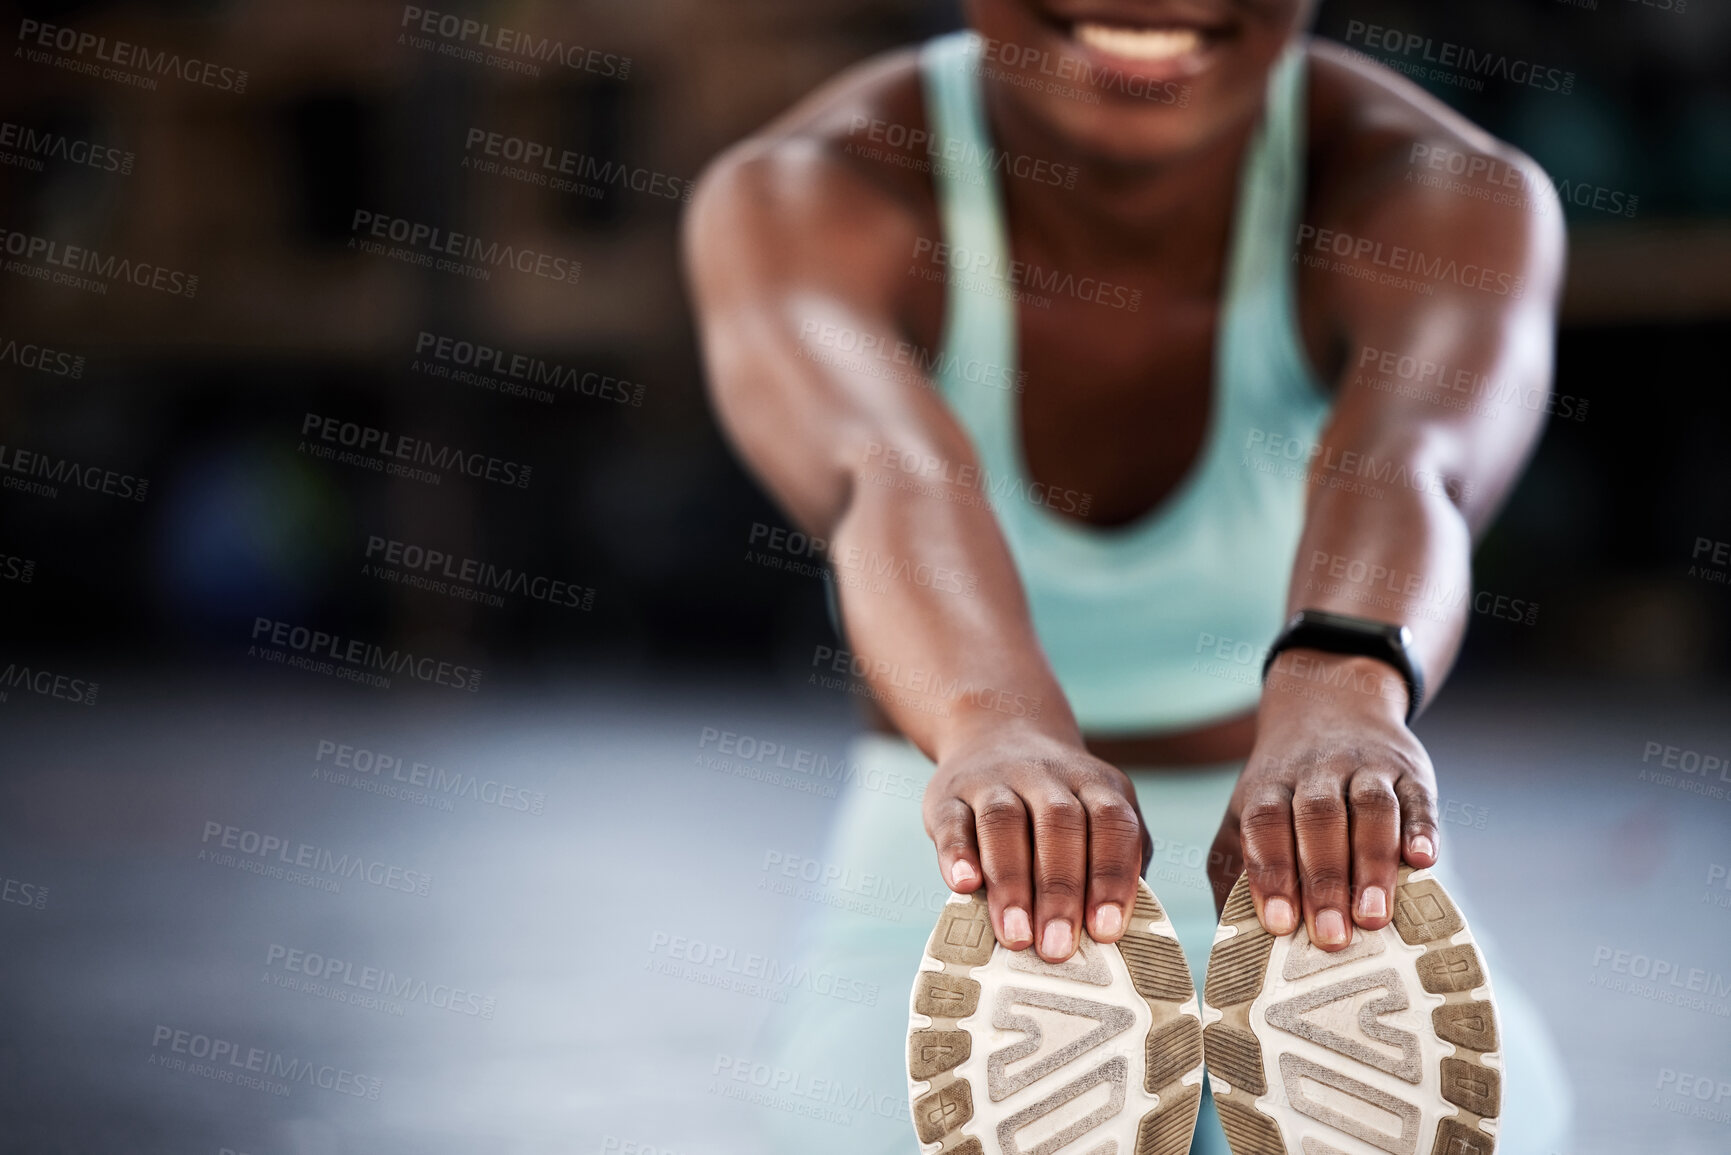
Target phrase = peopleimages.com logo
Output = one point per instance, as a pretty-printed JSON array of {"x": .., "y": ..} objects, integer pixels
[
  {"x": 510, "y": 49},
  {"x": 89, "y": 270},
  {"x": 29, "y": 355},
  {"x": 94, "y": 55},
  {"x": 1398, "y": 259},
  {"x": 377, "y": 766},
  {"x": 433, "y": 247},
  {"x": 443, "y": 572},
  {"x": 561, "y": 169},
  {"x": 343, "y": 981},
  {"x": 17, "y": 569},
  {"x": 21, "y": 893},
  {"x": 503, "y": 371},
  {"x": 28, "y": 147},
  {"x": 228, "y": 1061},
  {"x": 1459, "y": 64},
  {"x": 47, "y": 684},
  {"x": 258, "y": 852},
  {"x": 996, "y": 275},
  {"x": 42, "y": 474},
  {"x": 400, "y": 455},
  {"x": 330, "y": 653}
]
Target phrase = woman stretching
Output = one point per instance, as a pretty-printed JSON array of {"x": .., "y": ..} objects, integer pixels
[{"x": 1112, "y": 334}]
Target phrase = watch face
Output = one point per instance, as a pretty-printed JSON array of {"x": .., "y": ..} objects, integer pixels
[
  {"x": 1327, "y": 619},
  {"x": 1330, "y": 620}
]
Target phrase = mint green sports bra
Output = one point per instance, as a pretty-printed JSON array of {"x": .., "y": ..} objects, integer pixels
[{"x": 1159, "y": 624}]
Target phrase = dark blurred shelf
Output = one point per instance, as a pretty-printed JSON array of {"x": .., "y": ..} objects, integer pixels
[{"x": 1654, "y": 272}]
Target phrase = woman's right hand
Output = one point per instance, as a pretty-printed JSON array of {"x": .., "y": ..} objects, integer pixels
[{"x": 1050, "y": 830}]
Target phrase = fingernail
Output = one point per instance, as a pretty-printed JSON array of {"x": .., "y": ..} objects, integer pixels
[
  {"x": 961, "y": 873},
  {"x": 1330, "y": 928},
  {"x": 1016, "y": 927},
  {"x": 1421, "y": 845},
  {"x": 1108, "y": 920},
  {"x": 1057, "y": 941},
  {"x": 1372, "y": 903},
  {"x": 1277, "y": 916}
]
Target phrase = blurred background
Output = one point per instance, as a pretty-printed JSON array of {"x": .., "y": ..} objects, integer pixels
[{"x": 194, "y": 329}]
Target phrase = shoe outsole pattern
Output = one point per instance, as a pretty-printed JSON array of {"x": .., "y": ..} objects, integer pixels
[
  {"x": 983, "y": 1077},
  {"x": 1390, "y": 1045}
]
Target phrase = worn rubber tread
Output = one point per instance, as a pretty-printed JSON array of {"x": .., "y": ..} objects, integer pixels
[
  {"x": 1172, "y": 1051},
  {"x": 1236, "y": 1056},
  {"x": 988, "y": 1063},
  {"x": 1355, "y": 991},
  {"x": 1167, "y": 1130}
]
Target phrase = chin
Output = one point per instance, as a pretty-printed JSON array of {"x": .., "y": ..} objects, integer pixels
[{"x": 1134, "y": 80}]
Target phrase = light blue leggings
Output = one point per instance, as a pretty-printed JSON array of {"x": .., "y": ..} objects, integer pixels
[{"x": 876, "y": 905}]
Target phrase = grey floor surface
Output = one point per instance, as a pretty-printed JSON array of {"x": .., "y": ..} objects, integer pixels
[{"x": 154, "y": 982}]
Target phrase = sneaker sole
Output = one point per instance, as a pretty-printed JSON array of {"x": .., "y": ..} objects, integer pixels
[
  {"x": 1390, "y": 1045},
  {"x": 1011, "y": 1055}
]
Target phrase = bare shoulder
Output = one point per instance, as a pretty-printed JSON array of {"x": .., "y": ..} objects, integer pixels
[
  {"x": 836, "y": 183},
  {"x": 1391, "y": 163}
]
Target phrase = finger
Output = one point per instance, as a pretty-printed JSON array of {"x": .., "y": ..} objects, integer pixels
[
  {"x": 1265, "y": 830},
  {"x": 1001, "y": 826},
  {"x": 1114, "y": 856},
  {"x": 1374, "y": 814},
  {"x": 1145, "y": 841},
  {"x": 1060, "y": 827},
  {"x": 952, "y": 829},
  {"x": 1225, "y": 861},
  {"x": 1324, "y": 864},
  {"x": 1418, "y": 820}
]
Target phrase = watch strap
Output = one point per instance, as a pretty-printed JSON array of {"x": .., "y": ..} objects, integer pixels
[{"x": 1334, "y": 633}]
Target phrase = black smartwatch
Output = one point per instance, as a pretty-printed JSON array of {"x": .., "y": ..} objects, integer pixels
[{"x": 1359, "y": 637}]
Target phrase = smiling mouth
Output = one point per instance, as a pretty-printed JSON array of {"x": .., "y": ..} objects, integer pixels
[{"x": 1143, "y": 45}]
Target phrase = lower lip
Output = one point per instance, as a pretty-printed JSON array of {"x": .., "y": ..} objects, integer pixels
[{"x": 1155, "y": 71}]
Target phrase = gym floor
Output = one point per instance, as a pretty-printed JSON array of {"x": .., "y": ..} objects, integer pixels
[{"x": 176, "y": 981}]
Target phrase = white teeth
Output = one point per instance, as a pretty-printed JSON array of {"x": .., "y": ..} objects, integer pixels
[{"x": 1140, "y": 43}]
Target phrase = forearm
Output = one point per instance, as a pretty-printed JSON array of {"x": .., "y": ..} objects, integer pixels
[
  {"x": 933, "y": 608},
  {"x": 1404, "y": 557}
]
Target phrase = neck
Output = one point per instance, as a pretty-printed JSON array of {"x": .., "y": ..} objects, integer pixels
[{"x": 1177, "y": 209}]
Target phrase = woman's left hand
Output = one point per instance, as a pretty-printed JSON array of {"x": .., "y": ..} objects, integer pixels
[{"x": 1336, "y": 792}]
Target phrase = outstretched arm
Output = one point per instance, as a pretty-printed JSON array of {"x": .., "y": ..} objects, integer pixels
[
  {"x": 784, "y": 243},
  {"x": 1441, "y": 402}
]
